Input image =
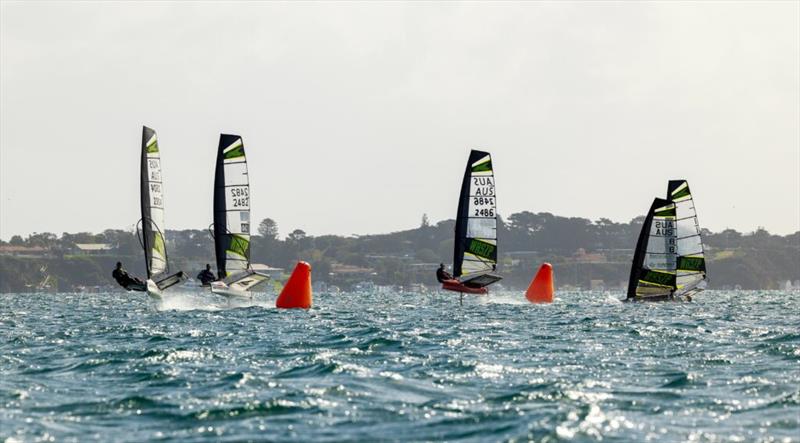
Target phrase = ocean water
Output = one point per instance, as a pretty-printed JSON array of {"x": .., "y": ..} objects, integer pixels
[{"x": 400, "y": 367}]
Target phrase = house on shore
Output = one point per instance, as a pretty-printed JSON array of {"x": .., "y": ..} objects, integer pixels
[
  {"x": 26, "y": 251},
  {"x": 92, "y": 249}
]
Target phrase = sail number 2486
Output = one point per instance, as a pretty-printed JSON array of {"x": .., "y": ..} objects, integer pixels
[{"x": 483, "y": 206}]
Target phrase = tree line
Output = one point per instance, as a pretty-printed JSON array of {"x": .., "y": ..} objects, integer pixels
[{"x": 583, "y": 252}]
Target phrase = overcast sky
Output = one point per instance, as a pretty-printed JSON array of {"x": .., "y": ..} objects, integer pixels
[{"x": 358, "y": 117}]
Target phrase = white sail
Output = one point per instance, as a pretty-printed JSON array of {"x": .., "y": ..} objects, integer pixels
[
  {"x": 475, "y": 249},
  {"x": 152, "y": 222},
  {"x": 690, "y": 259},
  {"x": 152, "y": 201},
  {"x": 653, "y": 270},
  {"x": 231, "y": 207}
]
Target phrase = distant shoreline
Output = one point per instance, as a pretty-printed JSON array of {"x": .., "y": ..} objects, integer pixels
[{"x": 585, "y": 254}]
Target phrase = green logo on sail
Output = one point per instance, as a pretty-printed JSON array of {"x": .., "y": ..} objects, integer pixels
[
  {"x": 691, "y": 263},
  {"x": 236, "y": 149},
  {"x": 152, "y": 147},
  {"x": 667, "y": 211},
  {"x": 483, "y": 167},
  {"x": 158, "y": 244},
  {"x": 482, "y": 249},
  {"x": 681, "y": 193},
  {"x": 235, "y": 152},
  {"x": 239, "y": 245},
  {"x": 659, "y": 278}
]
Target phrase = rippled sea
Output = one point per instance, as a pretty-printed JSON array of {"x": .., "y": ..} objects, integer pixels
[{"x": 400, "y": 367}]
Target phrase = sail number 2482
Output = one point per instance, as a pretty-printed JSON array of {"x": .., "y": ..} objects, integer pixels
[{"x": 239, "y": 197}]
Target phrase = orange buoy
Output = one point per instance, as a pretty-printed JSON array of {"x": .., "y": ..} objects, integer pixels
[
  {"x": 541, "y": 288},
  {"x": 297, "y": 291}
]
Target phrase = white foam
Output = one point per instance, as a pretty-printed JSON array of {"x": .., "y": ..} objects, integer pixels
[{"x": 205, "y": 301}]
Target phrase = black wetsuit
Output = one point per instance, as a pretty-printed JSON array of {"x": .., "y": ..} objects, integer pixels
[
  {"x": 206, "y": 277},
  {"x": 125, "y": 280},
  {"x": 443, "y": 275}
]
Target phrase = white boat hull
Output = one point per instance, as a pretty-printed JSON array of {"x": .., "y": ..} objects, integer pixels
[
  {"x": 220, "y": 288},
  {"x": 153, "y": 291}
]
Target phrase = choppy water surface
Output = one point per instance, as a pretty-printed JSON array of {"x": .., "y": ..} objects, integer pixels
[{"x": 366, "y": 367}]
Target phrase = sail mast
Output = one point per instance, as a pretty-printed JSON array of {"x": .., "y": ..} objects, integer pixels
[
  {"x": 462, "y": 218},
  {"x": 641, "y": 247}
]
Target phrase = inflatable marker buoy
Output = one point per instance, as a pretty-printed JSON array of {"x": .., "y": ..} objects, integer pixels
[
  {"x": 297, "y": 291},
  {"x": 541, "y": 288}
]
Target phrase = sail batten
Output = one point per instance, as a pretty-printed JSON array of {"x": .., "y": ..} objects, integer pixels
[{"x": 231, "y": 207}]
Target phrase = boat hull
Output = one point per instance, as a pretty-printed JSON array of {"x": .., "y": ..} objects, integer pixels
[
  {"x": 457, "y": 286},
  {"x": 660, "y": 298},
  {"x": 224, "y": 290}
]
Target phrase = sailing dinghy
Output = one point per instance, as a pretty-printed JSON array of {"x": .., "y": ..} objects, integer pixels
[
  {"x": 232, "y": 221},
  {"x": 150, "y": 228},
  {"x": 475, "y": 249},
  {"x": 669, "y": 262}
]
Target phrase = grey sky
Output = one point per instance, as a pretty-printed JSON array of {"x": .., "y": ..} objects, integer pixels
[{"x": 357, "y": 118}]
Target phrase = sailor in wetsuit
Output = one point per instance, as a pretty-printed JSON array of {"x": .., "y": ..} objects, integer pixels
[
  {"x": 442, "y": 274},
  {"x": 125, "y": 280},
  {"x": 206, "y": 276}
]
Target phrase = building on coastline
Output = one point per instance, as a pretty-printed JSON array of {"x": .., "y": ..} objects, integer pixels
[
  {"x": 92, "y": 249},
  {"x": 25, "y": 251}
]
